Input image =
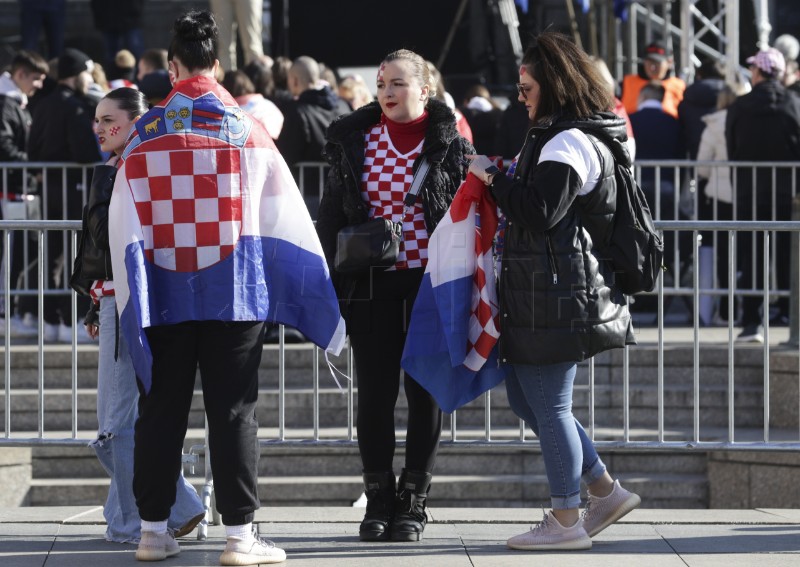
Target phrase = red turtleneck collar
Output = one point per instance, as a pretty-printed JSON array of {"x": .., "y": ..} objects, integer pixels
[{"x": 406, "y": 135}]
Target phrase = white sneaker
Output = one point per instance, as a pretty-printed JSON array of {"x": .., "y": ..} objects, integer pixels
[
  {"x": 155, "y": 547},
  {"x": 18, "y": 328},
  {"x": 551, "y": 535},
  {"x": 251, "y": 551},
  {"x": 602, "y": 512},
  {"x": 51, "y": 333},
  {"x": 65, "y": 335}
]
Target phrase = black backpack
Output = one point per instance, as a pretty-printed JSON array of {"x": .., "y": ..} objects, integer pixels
[{"x": 632, "y": 245}]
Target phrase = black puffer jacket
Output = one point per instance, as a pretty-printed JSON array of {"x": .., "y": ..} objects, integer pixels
[
  {"x": 342, "y": 204},
  {"x": 305, "y": 122},
  {"x": 555, "y": 303}
]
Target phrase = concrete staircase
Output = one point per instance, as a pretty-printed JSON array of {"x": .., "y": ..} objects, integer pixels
[{"x": 467, "y": 474}]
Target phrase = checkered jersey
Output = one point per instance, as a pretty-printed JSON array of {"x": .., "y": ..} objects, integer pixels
[
  {"x": 101, "y": 288},
  {"x": 189, "y": 204},
  {"x": 386, "y": 179}
]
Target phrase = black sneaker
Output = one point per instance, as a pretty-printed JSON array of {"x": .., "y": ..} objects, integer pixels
[{"x": 751, "y": 334}]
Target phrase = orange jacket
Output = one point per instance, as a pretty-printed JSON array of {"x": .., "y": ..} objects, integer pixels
[{"x": 673, "y": 95}]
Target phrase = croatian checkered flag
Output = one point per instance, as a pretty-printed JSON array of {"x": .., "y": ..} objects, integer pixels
[
  {"x": 451, "y": 347},
  {"x": 208, "y": 224}
]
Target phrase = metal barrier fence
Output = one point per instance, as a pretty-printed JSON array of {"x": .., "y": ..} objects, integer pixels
[{"x": 492, "y": 435}]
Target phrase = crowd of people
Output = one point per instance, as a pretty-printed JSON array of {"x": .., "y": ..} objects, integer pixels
[{"x": 133, "y": 111}]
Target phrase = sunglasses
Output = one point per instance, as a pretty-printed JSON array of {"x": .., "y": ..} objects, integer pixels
[{"x": 523, "y": 90}]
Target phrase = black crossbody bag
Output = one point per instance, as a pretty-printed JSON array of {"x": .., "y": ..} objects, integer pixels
[{"x": 375, "y": 243}]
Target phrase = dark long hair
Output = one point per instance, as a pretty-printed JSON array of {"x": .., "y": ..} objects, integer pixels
[
  {"x": 568, "y": 80},
  {"x": 130, "y": 100},
  {"x": 194, "y": 40}
]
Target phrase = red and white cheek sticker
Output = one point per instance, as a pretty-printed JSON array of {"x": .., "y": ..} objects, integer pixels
[
  {"x": 522, "y": 69},
  {"x": 113, "y": 131},
  {"x": 380, "y": 71}
]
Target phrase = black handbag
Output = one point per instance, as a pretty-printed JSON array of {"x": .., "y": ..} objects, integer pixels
[
  {"x": 375, "y": 243},
  {"x": 91, "y": 263}
]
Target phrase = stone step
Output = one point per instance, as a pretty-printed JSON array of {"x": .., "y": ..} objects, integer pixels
[
  {"x": 299, "y": 403},
  {"x": 282, "y": 460},
  {"x": 478, "y": 490}
]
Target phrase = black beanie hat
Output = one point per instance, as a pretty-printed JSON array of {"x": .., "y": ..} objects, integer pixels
[{"x": 72, "y": 62}]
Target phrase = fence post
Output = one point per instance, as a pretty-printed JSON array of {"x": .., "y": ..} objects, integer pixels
[{"x": 794, "y": 316}]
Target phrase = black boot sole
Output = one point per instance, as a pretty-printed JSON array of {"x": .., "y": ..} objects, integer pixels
[
  {"x": 406, "y": 536},
  {"x": 373, "y": 536}
]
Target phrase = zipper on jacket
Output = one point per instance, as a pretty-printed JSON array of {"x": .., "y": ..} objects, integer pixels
[{"x": 551, "y": 258}]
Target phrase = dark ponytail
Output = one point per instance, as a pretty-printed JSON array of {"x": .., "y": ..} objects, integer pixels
[
  {"x": 130, "y": 100},
  {"x": 194, "y": 40}
]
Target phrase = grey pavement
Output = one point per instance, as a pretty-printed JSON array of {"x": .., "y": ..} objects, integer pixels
[{"x": 73, "y": 537}]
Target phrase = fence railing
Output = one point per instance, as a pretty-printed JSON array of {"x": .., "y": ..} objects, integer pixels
[{"x": 686, "y": 278}]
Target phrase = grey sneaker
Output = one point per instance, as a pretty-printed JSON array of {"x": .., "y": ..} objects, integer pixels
[
  {"x": 602, "y": 512},
  {"x": 155, "y": 547},
  {"x": 550, "y": 535},
  {"x": 251, "y": 551}
]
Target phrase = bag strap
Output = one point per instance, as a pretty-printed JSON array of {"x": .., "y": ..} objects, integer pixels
[{"x": 416, "y": 184}]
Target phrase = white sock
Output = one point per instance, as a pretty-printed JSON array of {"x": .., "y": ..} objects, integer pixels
[
  {"x": 158, "y": 527},
  {"x": 242, "y": 532}
]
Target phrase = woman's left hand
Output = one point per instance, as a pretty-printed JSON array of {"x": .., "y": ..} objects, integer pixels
[{"x": 478, "y": 166}]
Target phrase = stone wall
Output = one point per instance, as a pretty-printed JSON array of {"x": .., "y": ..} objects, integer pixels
[{"x": 15, "y": 476}]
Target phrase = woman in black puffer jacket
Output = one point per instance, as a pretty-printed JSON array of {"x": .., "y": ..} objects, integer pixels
[
  {"x": 374, "y": 153},
  {"x": 557, "y": 307}
]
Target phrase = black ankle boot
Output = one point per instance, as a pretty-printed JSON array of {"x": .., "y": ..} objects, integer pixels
[
  {"x": 409, "y": 515},
  {"x": 380, "y": 491}
]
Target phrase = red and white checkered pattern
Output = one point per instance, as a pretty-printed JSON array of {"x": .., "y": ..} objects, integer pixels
[
  {"x": 101, "y": 288},
  {"x": 189, "y": 204},
  {"x": 386, "y": 179}
]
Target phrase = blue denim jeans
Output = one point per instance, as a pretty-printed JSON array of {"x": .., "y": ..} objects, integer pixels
[
  {"x": 117, "y": 398},
  {"x": 542, "y": 396}
]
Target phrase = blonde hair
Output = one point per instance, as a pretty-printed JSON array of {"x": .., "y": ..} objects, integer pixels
[
  {"x": 419, "y": 68},
  {"x": 124, "y": 59}
]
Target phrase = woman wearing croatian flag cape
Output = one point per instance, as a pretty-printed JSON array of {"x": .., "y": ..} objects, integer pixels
[
  {"x": 375, "y": 153},
  {"x": 556, "y": 306},
  {"x": 210, "y": 238}
]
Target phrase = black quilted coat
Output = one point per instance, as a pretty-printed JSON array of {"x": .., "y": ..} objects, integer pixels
[
  {"x": 342, "y": 204},
  {"x": 555, "y": 304}
]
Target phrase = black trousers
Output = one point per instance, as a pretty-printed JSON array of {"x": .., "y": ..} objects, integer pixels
[
  {"x": 228, "y": 355},
  {"x": 378, "y": 321}
]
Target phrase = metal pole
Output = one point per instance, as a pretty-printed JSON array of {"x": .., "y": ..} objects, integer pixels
[{"x": 794, "y": 316}]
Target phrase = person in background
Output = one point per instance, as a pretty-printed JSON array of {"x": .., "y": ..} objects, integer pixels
[
  {"x": 152, "y": 60},
  {"x": 121, "y": 26},
  {"x": 238, "y": 19},
  {"x": 307, "y": 118},
  {"x": 281, "y": 95},
  {"x": 700, "y": 99},
  {"x": 61, "y": 131},
  {"x": 155, "y": 86},
  {"x": 511, "y": 131},
  {"x": 123, "y": 71},
  {"x": 483, "y": 116},
  {"x": 261, "y": 74},
  {"x": 24, "y": 77},
  {"x": 547, "y": 261},
  {"x": 117, "y": 395},
  {"x": 790, "y": 48},
  {"x": 461, "y": 123},
  {"x": 658, "y": 137},
  {"x": 715, "y": 203},
  {"x": 763, "y": 125},
  {"x": 374, "y": 154},
  {"x": 48, "y": 14},
  {"x": 355, "y": 92},
  {"x": 657, "y": 66},
  {"x": 618, "y": 108},
  {"x": 241, "y": 88}
]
